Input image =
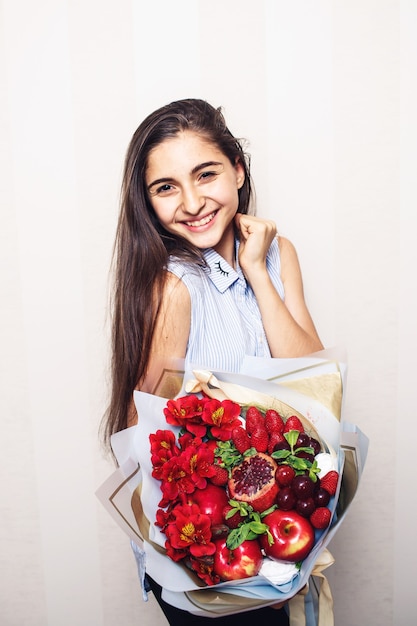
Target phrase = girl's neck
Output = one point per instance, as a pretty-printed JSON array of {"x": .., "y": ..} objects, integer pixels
[{"x": 226, "y": 246}]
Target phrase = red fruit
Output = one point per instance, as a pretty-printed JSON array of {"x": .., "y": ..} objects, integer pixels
[
  {"x": 274, "y": 422},
  {"x": 253, "y": 481},
  {"x": 320, "y": 518},
  {"x": 259, "y": 439},
  {"x": 303, "y": 441},
  {"x": 234, "y": 520},
  {"x": 315, "y": 445},
  {"x": 321, "y": 497},
  {"x": 241, "y": 439},
  {"x": 302, "y": 486},
  {"x": 221, "y": 476},
  {"x": 211, "y": 501},
  {"x": 286, "y": 499},
  {"x": 293, "y": 423},
  {"x": 305, "y": 507},
  {"x": 242, "y": 562},
  {"x": 284, "y": 475},
  {"x": 292, "y": 533},
  {"x": 277, "y": 441},
  {"x": 254, "y": 419},
  {"x": 329, "y": 482}
]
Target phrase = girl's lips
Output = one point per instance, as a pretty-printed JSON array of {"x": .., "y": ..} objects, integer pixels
[{"x": 201, "y": 222}]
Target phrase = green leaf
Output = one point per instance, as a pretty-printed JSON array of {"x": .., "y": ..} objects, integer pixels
[
  {"x": 307, "y": 449},
  {"x": 258, "y": 528},
  {"x": 292, "y": 437},
  {"x": 300, "y": 463},
  {"x": 314, "y": 470},
  {"x": 281, "y": 454},
  {"x": 250, "y": 452},
  {"x": 237, "y": 536},
  {"x": 268, "y": 511},
  {"x": 228, "y": 454}
]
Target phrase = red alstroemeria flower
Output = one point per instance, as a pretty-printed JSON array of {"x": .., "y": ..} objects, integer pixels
[
  {"x": 192, "y": 532},
  {"x": 187, "y": 439},
  {"x": 163, "y": 448},
  {"x": 175, "y": 480},
  {"x": 165, "y": 517},
  {"x": 186, "y": 509},
  {"x": 173, "y": 553},
  {"x": 186, "y": 412},
  {"x": 200, "y": 464},
  {"x": 222, "y": 417},
  {"x": 204, "y": 570}
]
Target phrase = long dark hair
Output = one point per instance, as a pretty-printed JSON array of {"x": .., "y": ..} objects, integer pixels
[{"x": 142, "y": 245}]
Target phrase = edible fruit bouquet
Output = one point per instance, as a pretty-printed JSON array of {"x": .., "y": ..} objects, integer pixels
[
  {"x": 239, "y": 484},
  {"x": 234, "y": 485}
]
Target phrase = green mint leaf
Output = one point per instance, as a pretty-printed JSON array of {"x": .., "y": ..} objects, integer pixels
[
  {"x": 250, "y": 452},
  {"x": 307, "y": 449},
  {"x": 237, "y": 536},
  {"x": 292, "y": 437},
  {"x": 268, "y": 511},
  {"x": 258, "y": 528},
  {"x": 281, "y": 454}
]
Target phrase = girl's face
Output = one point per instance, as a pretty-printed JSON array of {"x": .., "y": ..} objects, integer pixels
[{"x": 193, "y": 189}]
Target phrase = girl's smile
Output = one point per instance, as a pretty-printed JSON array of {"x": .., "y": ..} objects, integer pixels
[
  {"x": 193, "y": 188},
  {"x": 201, "y": 222}
]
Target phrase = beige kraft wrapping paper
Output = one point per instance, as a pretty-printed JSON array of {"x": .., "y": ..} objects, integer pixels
[{"x": 121, "y": 494}]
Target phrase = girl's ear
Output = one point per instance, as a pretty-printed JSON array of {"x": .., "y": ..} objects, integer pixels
[{"x": 240, "y": 173}]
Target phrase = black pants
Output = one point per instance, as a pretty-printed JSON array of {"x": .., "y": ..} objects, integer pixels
[{"x": 258, "y": 617}]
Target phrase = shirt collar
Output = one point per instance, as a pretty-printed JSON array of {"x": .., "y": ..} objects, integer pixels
[{"x": 221, "y": 274}]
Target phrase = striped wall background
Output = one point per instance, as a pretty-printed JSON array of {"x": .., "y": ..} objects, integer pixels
[{"x": 325, "y": 92}]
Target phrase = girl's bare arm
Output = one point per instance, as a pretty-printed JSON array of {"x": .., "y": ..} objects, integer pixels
[
  {"x": 170, "y": 337},
  {"x": 288, "y": 325}
]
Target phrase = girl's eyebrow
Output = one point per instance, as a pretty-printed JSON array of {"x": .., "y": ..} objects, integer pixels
[
  {"x": 195, "y": 169},
  {"x": 203, "y": 165}
]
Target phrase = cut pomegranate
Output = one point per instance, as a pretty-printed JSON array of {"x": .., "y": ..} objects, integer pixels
[{"x": 253, "y": 481}]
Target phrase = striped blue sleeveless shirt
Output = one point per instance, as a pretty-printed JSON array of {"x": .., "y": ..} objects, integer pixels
[{"x": 226, "y": 322}]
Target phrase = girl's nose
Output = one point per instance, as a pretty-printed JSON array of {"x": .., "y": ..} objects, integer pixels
[{"x": 193, "y": 201}]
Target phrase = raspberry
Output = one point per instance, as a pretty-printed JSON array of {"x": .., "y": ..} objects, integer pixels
[
  {"x": 329, "y": 482},
  {"x": 320, "y": 518}
]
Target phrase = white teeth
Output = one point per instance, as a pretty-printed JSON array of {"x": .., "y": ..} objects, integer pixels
[{"x": 202, "y": 222}]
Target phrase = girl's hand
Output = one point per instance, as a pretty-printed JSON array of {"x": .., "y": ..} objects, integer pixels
[{"x": 256, "y": 236}]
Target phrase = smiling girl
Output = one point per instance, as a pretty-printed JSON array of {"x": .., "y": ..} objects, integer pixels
[{"x": 196, "y": 275}]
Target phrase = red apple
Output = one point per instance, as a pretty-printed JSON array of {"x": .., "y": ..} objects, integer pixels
[
  {"x": 211, "y": 500},
  {"x": 292, "y": 533},
  {"x": 241, "y": 562}
]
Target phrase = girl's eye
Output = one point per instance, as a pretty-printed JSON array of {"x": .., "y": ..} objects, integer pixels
[
  {"x": 164, "y": 188},
  {"x": 207, "y": 175}
]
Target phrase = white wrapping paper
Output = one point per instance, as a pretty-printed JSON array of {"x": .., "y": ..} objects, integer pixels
[{"x": 131, "y": 495}]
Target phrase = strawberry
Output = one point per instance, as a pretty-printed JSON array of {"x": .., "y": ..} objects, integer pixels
[
  {"x": 293, "y": 423},
  {"x": 221, "y": 476},
  {"x": 259, "y": 439},
  {"x": 234, "y": 519},
  {"x": 273, "y": 421},
  {"x": 240, "y": 439},
  {"x": 329, "y": 482},
  {"x": 275, "y": 439},
  {"x": 320, "y": 518},
  {"x": 254, "y": 419}
]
